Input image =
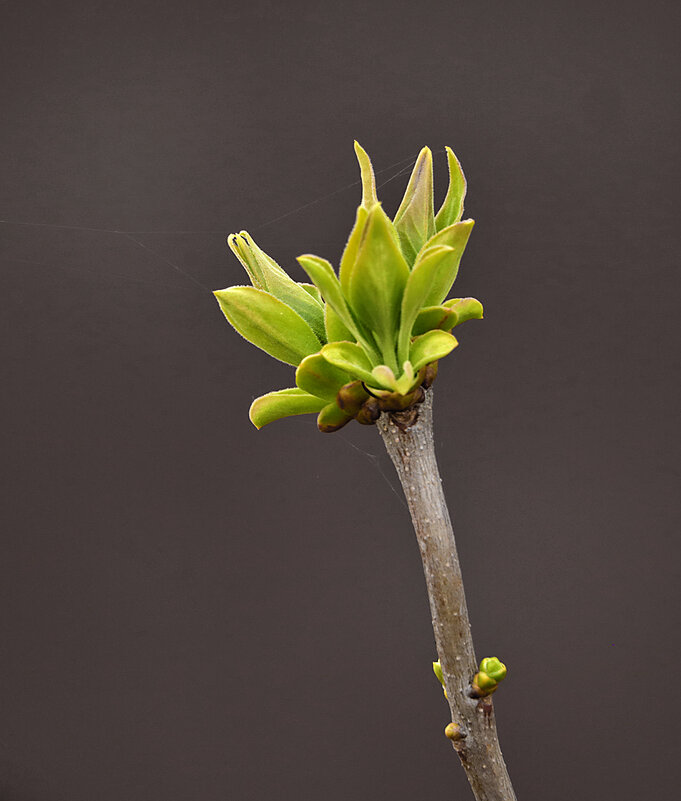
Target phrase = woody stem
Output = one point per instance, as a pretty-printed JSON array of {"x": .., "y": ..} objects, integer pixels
[{"x": 408, "y": 437}]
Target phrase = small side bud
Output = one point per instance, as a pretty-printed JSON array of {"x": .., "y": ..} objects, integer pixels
[
  {"x": 430, "y": 375},
  {"x": 369, "y": 413},
  {"x": 351, "y": 397},
  {"x": 453, "y": 732},
  {"x": 437, "y": 670},
  {"x": 487, "y": 679}
]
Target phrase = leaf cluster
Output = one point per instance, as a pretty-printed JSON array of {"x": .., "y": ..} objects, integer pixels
[{"x": 367, "y": 338}]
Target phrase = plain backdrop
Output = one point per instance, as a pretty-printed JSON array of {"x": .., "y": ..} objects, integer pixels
[{"x": 191, "y": 609}]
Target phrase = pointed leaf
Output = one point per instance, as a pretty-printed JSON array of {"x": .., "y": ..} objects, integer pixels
[
  {"x": 267, "y": 275},
  {"x": 268, "y": 323},
  {"x": 368, "y": 180},
  {"x": 452, "y": 207},
  {"x": 312, "y": 290},
  {"x": 282, "y": 403},
  {"x": 331, "y": 418},
  {"x": 430, "y": 266},
  {"x": 456, "y": 237},
  {"x": 433, "y": 317},
  {"x": 378, "y": 280},
  {"x": 349, "y": 256},
  {"x": 430, "y": 347},
  {"x": 415, "y": 220},
  {"x": 336, "y": 330},
  {"x": 319, "y": 377},
  {"x": 465, "y": 308},
  {"x": 321, "y": 272},
  {"x": 350, "y": 357}
]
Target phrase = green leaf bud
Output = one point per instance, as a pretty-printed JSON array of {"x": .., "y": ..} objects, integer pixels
[{"x": 493, "y": 668}]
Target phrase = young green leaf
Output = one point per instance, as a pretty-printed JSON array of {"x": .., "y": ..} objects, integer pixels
[
  {"x": 456, "y": 237},
  {"x": 267, "y": 275},
  {"x": 336, "y": 330},
  {"x": 430, "y": 347},
  {"x": 331, "y": 418},
  {"x": 368, "y": 180},
  {"x": 406, "y": 382},
  {"x": 268, "y": 323},
  {"x": 350, "y": 357},
  {"x": 415, "y": 220},
  {"x": 452, "y": 207},
  {"x": 432, "y": 317},
  {"x": 349, "y": 256},
  {"x": 384, "y": 377},
  {"x": 324, "y": 278},
  {"x": 321, "y": 272},
  {"x": 465, "y": 308},
  {"x": 319, "y": 377},
  {"x": 427, "y": 272},
  {"x": 283, "y": 403},
  {"x": 312, "y": 290},
  {"x": 378, "y": 280}
]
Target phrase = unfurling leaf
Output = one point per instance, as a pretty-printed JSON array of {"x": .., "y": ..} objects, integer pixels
[
  {"x": 369, "y": 198},
  {"x": 336, "y": 330},
  {"x": 465, "y": 308},
  {"x": 312, "y": 290},
  {"x": 456, "y": 237},
  {"x": 350, "y": 357},
  {"x": 267, "y": 275},
  {"x": 432, "y": 317},
  {"x": 430, "y": 347},
  {"x": 331, "y": 418},
  {"x": 452, "y": 207},
  {"x": 427, "y": 272},
  {"x": 415, "y": 221},
  {"x": 349, "y": 257},
  {"x": 283, "y": 403},
  {"x": 268, "y": 323},
  {"x": 319, "y": 377},
  {"x": 323, "y": 276},
  {"x": 377, "y": 281}
]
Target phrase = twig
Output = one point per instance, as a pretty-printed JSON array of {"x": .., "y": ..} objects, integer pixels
[{"x": 408, "y": 438}]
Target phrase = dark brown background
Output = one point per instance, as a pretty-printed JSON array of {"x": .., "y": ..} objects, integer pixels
[{"x": 194, "y": 610}]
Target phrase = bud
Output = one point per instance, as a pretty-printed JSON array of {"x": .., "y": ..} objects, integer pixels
[
  {"x": 351, "y": 397},
  {"x": 453, "y": 732},
  {"x": 369, "y": 413},
  {"x": 493, "y": 668},
  {"x": 487, "y": 679},
  {"x": 437, "y": 670}
]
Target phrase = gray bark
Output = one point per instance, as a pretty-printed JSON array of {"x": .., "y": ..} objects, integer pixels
[{"x": 408, "y": 437}]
